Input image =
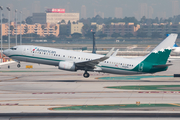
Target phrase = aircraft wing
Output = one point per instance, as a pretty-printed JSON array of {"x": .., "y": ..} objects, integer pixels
[{"x": 90, "y": 64}]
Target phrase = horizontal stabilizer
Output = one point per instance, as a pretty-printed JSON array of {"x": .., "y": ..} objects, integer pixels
[{"x": 161, "y": 66}]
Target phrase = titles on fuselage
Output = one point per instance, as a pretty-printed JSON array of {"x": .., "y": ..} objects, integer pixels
[{"x": 48, "y": 51}]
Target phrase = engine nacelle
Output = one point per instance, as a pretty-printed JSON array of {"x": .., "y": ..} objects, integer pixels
[{"x": 69, "y": 66}]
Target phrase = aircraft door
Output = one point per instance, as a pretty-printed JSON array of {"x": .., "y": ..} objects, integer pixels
[{"x": 24, "y": 50}]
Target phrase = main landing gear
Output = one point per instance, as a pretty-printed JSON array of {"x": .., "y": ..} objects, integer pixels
[
  {"x": 18, "y": 65},
  {"x": 86, "y": 74}
]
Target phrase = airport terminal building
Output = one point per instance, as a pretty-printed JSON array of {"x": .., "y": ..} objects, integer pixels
[{"x": 54, "y": 16}]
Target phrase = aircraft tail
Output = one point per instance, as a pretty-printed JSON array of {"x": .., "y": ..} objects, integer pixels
[
  {"x": 156, "y": 60},
  {"x": 160, "y": 54}
]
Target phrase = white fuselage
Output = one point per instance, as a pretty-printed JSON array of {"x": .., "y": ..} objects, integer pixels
[
  {"x": 176, "y": 49},
  {"x": 52, "y": 56}
]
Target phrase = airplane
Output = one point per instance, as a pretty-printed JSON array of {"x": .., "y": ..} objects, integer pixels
[
  {"x": 176, "y": 48},
  {"x": 69, "y": 60}
]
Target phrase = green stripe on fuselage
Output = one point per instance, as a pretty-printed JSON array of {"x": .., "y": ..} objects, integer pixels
[{"x": 35, "y": 57}]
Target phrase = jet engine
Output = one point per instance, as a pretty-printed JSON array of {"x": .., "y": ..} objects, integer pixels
[{"x": 69, "y": 66}]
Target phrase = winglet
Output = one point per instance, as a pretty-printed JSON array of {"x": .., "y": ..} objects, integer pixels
[
  {"x": 109, "y": 53},
  {"x": 175, "y": 45},
  {"x": 115, "y": 53}
]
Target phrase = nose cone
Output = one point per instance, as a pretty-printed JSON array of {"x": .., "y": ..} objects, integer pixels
[{"x": 6, "y": 52}]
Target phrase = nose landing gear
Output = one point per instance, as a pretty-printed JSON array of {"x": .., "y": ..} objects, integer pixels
[{"x": 86, "y": 74}]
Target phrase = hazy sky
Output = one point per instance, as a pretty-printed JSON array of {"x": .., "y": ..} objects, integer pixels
[{"x": 161, "y": 8}]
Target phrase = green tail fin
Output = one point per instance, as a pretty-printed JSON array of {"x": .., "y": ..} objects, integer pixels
[
  {"x": 160, "y": 54},
  {"x": 157, "y": 57}
]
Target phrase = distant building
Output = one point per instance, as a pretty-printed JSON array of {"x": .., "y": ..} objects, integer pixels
[
  {"x": 77, "y": 28},
  {"x": 36, "y": 6},
  {"x": 144, "y": 10},
  {"x": 161, "y": 29},
  {"x": 54, "y": 16},
  {"x": 164, "y": 15},
  {"x": 150, "y": 12},
  {"x": 83, "y": 11},
  {"x": 175, "y": 7},
  {"x": 39, "y": 29},
  {"x": 118, "y": 12},
  {"x": 65, "y": 29},
  {"x": 120, "y": 28},
  {"x": 98, "y": 27}
]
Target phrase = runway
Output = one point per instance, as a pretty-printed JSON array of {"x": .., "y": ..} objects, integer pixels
[{"x": 43, "y": 87}]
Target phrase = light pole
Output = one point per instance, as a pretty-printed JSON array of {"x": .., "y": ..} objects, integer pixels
[
  {"x": 1, "y": 8},
  {"x": 16, "y": 25},
  {"x": 20, "y": 28},
  {"x": 8, "y": 8}
]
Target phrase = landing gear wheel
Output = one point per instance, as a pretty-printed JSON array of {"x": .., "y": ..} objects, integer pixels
[
  {"x": 18, "y": 65},
  {"x": 86, "y": 75}
]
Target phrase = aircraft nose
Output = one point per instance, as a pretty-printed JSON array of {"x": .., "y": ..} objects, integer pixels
[{"x": 5, "y": 52}]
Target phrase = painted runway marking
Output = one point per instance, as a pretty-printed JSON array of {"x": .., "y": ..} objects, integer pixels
[
  {"x": 168, "y": 92},
  {"x": 34, "y": 93},
  {"x": 55, "y": 93}
]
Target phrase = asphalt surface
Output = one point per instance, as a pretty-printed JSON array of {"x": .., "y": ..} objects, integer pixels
[{"x": 32, "y": 92}]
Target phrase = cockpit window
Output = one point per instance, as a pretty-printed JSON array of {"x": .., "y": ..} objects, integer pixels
[{"x": 13, "y": 48}]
